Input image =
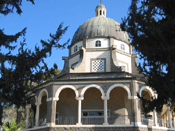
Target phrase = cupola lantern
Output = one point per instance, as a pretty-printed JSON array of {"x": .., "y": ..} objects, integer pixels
[{"x": 100, "y": 10}]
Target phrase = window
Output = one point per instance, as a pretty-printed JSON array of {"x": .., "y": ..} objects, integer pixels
[
  {"x": 75, "y": 49},
  {"x": 123, "y": 47},
  {"x": 93, "y": 113},
  {"x": 98, "y": 43},
  {"x": 98, "y": 65}
]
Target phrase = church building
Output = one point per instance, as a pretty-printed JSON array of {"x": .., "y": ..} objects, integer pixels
[{"x": 97, "y": 88}]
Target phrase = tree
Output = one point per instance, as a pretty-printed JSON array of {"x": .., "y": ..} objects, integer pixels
[
  {"x": 20, "y": 71},
  {"x": 12, "y": 126},
  {"x": 151, "y": 26},
  {"x": 9, "y": 119}
]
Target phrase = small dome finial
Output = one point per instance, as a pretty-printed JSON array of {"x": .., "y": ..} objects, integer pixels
[{"x": 100, "y": 10}]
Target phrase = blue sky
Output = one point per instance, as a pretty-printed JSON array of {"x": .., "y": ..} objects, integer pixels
[{"x": 45, "y": 16}]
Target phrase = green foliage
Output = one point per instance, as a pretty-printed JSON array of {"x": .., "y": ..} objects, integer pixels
[
  {"x": 12, "y": 126},
  {"x": 22, "y": 71},
  {"x": 151, "y": 26},
  {"x": 7, "y": 6},
  {"x": 10, "y": 112}
]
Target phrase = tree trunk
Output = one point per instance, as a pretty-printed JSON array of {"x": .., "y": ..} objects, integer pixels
[{"x": 18, "y": 119}]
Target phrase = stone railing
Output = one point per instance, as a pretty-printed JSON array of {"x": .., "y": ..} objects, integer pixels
[
  {"x": 92, "y": 120},
  {"x": 120, "y": 120},
  {"x": 147, "y": 121},
  {"x": 31, "y": 123},
  {"x": 64, "y": 120},
  {"x": 114, "y": 120},
  {"x": 163, "y": 123},
  {"x": 42, "y": 122}
]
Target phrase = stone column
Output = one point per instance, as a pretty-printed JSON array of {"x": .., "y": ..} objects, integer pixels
[
  {"x": 137, "y": 112},
  {"x": 27, "y": 114},
  {"x": 37, "y": 113},
  {"x": 169, "y": 117},
  {"x": 105, "y": 110},
  {"x": 155, "y": 117},
  {"x": 136, "y": 104},
  {"x": 51, "y": 111},
  {"x": 79, "y": 109}
]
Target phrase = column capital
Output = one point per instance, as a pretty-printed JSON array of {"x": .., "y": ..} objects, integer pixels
[
  {"x": 20, "y": 109},
  {"x": 134, "y": 81},
  {"x": 134, "y": 97},
  {"x": 28, "y": 106},
  {"x": 113, "y": 47},
  {"x": 80, "y": 98},
  {"x": 52, "y": 99},
  {"x": 38, "y": 103},
  {"x": 105, "y": 97}
]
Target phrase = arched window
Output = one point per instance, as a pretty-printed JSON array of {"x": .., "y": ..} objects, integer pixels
[
  {"x": 100, "y": 12},
  {"x": 75, "y": 49},
  {"x": 122, "y": 47},
  {"x": 98, "y": 43}
]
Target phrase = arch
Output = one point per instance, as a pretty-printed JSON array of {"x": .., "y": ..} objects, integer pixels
[
  {"x": 89, "y": 86},
  {"x": 64, "y": 87},
  {"x": 148, "y": 88},
  {"x": 36, "y": 99},
  {"x": 118, "y": 85},
  {"x": 41, "y": 93}
]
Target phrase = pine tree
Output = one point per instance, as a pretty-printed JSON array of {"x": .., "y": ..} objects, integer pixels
[
  {"x": 151, "y": 26},
  {"x": 27, "y": 66}
]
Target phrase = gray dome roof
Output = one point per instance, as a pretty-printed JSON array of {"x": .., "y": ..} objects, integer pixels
[
  {"x": 100, "y": 6},
  {"x": 100, "y": 27}
]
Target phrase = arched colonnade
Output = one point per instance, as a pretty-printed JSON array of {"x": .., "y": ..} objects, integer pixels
[{"x": 80, "y": 97}]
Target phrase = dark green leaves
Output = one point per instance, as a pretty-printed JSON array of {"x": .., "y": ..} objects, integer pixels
[{"x": 151, "y": 26}]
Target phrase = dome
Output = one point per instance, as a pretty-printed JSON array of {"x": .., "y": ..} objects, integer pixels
[
  {"x": 100, "y": 6},
  {"x": 100, "y": 27}
]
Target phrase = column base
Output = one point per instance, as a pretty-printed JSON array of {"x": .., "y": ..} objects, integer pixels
[
  {"x": 78, "y": 124},
  {"x": 105, "y": 124},
  {"x": 136, "y": 123},
  {"x": 50, "y": 124},
  {"x": 157, "y": 125}
]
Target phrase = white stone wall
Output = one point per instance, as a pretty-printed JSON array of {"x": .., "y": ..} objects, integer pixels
[
  {"x": 91, "y": 43},
  {"x": 95, "y": 55},
  {"x": 124, "y": 60},
  {"x": 79, "y": 44},
  {"x": 73, "y": 60},
  {"x": 123, "y": 57},
  {"x": 118, "y": 44}
]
